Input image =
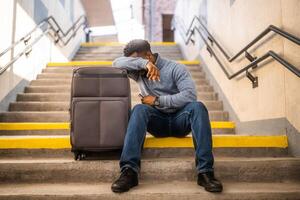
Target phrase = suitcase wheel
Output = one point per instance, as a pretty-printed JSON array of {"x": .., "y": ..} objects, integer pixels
[{"x": 79, "y": 155}]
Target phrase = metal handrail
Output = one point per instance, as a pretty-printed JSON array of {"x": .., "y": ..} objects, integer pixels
[
  {"x": 58, "y": 35},
  {"x": 254, "y": 61},
  {"x": 270, "y": 28}
]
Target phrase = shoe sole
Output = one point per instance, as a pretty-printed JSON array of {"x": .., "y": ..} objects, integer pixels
[
  {"x": 210, "y": 189},
  {"x": 121, "y": 191}
]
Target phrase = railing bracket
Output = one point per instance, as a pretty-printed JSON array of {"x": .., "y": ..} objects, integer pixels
[
  {"x": 253, "y": 79},
  {"x": 209, "y": 51},
  {"x": 211, "y": 40},
  {"x": 250, "y": 58},
  {"x": 193, "y": 41},
  {"x": 56, "y": 36},
  {"x": 27, "y": 52},
  {"x": 26, "y": 40},
  {"x": 192, "y": 32}
]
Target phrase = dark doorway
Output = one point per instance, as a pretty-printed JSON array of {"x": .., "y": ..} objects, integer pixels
[{"x": 168, "y": 34}]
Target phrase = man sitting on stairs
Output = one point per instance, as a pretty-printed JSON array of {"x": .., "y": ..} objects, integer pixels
[{"x": 169, "y": 109}]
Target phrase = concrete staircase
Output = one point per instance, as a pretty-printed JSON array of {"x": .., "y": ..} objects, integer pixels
[
  {"x": 36, "y": 162},
  {"x": 46, "y": 99}
]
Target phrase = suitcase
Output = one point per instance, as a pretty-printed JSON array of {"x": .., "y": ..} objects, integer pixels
[{"x": 99, "y": 109}]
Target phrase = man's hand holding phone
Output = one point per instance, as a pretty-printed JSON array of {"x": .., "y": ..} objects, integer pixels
[{"x": 149, "y": 100}]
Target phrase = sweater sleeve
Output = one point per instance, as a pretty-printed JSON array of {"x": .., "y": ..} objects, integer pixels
[
  {"x": 130, "y": 63},
  {"x": 187, "y": 90}
]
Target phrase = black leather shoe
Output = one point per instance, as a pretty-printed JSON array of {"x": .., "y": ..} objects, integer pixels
[
  {"x": 127, "y": 180},
  {"x": 209, "y": 182}
]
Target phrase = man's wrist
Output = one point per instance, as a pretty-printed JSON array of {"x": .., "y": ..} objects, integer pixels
[{"x": 156, "y": 101}]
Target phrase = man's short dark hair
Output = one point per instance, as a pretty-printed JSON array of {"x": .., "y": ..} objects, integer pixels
[{"x": 137, "y": 45}]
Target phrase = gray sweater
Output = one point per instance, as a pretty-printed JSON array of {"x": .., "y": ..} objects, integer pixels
[{"x": 175, "y": 88}]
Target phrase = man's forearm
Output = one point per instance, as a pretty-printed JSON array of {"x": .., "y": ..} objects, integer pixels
[{"x": 130, "y": 63}]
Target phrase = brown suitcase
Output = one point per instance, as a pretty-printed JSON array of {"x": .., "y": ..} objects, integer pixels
[{"x": 99, "y": 108}]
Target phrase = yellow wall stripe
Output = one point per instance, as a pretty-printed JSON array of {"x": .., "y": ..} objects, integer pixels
[
  {"x": 60, "y": 142},
  {"x": 104, "y": 63},
  {"x": 95, "y": 44},
  {"x": 66, "y": 125}
]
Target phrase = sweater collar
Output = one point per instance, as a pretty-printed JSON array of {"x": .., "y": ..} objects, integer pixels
[{"x": 159, "y": 61}]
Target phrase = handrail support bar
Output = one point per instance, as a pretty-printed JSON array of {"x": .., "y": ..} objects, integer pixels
[{"x": 253, "y": 79}]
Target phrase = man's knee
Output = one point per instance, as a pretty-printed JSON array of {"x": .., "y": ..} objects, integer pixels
[
  {"x": 197, "y": 106},
  {"x": 140, "y": 109}
]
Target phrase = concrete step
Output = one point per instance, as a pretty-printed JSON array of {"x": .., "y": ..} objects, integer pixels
[
  {"x": 153, "y": 47},
  {"x": 48, "y": 89},
  {"x": 121, "y": 46},
  {"x": 64, "y": 106},
  {"x": 43, "y": 97},
  {"x": 49, "y": 81},
  {"x": 104, "y": 63},
  {"x": 92, "y": 52},
  {"x": 67, "y": 88},
  {"x": 150, "y": 190},
  {"x": 57, "y": 70},
  {"x": 191, "y": 68},
  {"x": 112, "y": 57},
  {"x": 69, "y": 75},
  {"x": 62, "y": 116},
  {"x": 53, "y": 82},
  {"x": 54, "y": 76},
  {"x": 119, "y": 54},
  {"x": 67, "y": 132},
  {"x": 107, "y": 55},
  {"x": 39, "y": 106},
  {"x": 40, "y": 132},
  {"x": 120, "y": 49},
  {"x": 53, "y": 116},
  {"x": 204, "y": 96},
  {"x": 41, "y": 153},
  {"x": 55, "y": 170}
]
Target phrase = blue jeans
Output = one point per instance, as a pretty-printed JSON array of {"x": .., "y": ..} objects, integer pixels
[{"x": 192, "y": 117}]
